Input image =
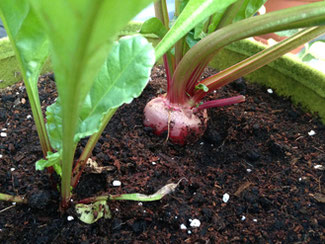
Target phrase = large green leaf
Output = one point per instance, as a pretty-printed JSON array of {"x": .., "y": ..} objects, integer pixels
[
  {"x": 194, "y": 13},
  {"x": 30, "y": 44},
  {"x": 54, "y": 124},
  {"x": 123, "y": 76},
  {"x": 81, "y": 33},
  {"x": 28, "y": 38}
]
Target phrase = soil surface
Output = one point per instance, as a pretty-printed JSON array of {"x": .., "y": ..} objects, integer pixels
[{"x": 262, "y": 154}]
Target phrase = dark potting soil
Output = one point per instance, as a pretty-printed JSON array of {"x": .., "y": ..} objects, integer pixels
[{"x": 258, "y": 153}]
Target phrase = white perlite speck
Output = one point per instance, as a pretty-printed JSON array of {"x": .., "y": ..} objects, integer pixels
[
  {"x": 248, "y": 170},
  {"x": 12, "y": 169},
  {"x": 255, "y": 220},
  {"x": 269, "y": 91},
  {"x": 225, "y": 197},
  {"x": 70, "y": 218},
  {"x": 140, "y": 203},
  {"x": 189, "y": 232},
  {"x": 117, "y": 183},
  {"x": 4, "y": 129},
  {"x": 195, "y": 223},
  {"x": 243, "y": 218},
  {"x": 183, "y": 227},
  {"x": 262, "y": 10},
  {"x": 29, "y": 116},
  {"x": 3, "y": 134},
  {"x": 1, "y": 156},
  {"x": 311, "y": 133},
  {"x": 319, "y": 166},
  {"x": 153, "y": 163}
]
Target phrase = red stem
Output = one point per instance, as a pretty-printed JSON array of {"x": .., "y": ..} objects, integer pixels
[
  {"x": 78, "y": 169},
  {"x": 169, "y": 80},
  {"x": 190, "y": 86},
  {"x": 222, "y": 102}
]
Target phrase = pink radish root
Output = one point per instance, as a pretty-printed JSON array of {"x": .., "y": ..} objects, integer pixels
[{"x": 186, "y": 124}]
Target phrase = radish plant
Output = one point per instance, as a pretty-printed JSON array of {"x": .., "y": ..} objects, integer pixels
[
  {"x": 95, "y": 74},
  {"x": 201, "y": 29}
]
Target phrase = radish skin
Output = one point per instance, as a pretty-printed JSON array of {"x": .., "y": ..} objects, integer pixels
[{"x": 186, "y": 123}]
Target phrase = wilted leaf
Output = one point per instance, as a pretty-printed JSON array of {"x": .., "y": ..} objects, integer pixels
[
  {"x": 92, "y": 167},
  {"x": 319, "y": 197},
  {"x": 90, "y": 213},
  {"x": 165, "y": 190}
]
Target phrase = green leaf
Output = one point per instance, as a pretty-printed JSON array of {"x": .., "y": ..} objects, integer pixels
[
  {"x": 30, "y": 44},
  {"x": 194, "y": 13},
  {"x": 123, "y": 77},
  {"x": 202, "y": 87},
  {"x": 154, "y": 26},
  {"x": 308, "y": 57},
  {"x": 215, "y": 20},
  {"x": 248, "y": 9},
  {"x": 239, "y": 10},
  {"x": 54, "y": 124},
  {"x": 81, "y": 33},
  {"x": 199, "y": 30},
  {"x": 28, "y": 38},
  {"x": 53, "y": 160},
  {"x": 87, "y": 28},
  {"x": 190, "y": 40},
  {"x": 90, "y": 213}
]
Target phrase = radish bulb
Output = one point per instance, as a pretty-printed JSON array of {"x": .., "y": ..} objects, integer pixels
[{"x": 185, "y": 124}]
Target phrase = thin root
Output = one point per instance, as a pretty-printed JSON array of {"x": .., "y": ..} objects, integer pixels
[
  {"x": 7, "y": 208},
  {"x": 168, "y": 126}
]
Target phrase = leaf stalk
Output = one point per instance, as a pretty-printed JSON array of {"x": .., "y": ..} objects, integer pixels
[{"x": 297, "y": 17}]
